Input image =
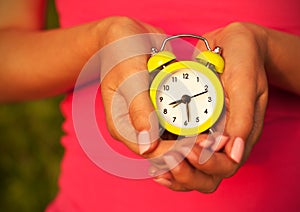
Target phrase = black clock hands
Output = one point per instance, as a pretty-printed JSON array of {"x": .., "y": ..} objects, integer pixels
[
  {"x": 186, "y": 99},
  {"x": 176, "y": 103},
  {"x": 199, "y": 94},
  {"x": 188, "y": 111}
]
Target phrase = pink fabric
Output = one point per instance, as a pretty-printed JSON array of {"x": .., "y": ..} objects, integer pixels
[{"x": 269, "y": 179}]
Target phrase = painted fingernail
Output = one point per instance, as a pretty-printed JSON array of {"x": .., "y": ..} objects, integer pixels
[
  {"x": 219, "y": 143},
  {"x": 152, "y": 170},
  {"x": 237, "y": 149},
  {"x": 170, "y": 161},
  {"x": 206, "y": 143},
  {"x": 159, "y": 172},
  {"x": 144, "y": 141},
  {"x": 185, "y": 151},
  {"x": 163, "y": 181}
]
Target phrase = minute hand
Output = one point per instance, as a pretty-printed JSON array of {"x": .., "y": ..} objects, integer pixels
[{"x": 199, "y": 94}]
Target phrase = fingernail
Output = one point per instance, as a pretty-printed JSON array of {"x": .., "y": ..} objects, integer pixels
[
  {"x": 205, "y": 155},
  {"x": 206, "y": 143},
  {"x": 144, "y": 141},
  {"x": 237, "y": 149},
  {"x": 185, "y": 151},
  {"x": 152, "y": 170},
  {"x": 219, "y": 143},
  {"x": 170, "y": 161},
  {"x": 163, "y": 181},
  {"x": 158, "y": 172}
]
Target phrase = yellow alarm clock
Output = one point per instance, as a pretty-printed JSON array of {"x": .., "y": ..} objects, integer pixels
[{"x": 187, "y": 95}]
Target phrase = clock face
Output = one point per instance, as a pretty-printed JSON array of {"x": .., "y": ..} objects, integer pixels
[{"x": 188, "y": 101}]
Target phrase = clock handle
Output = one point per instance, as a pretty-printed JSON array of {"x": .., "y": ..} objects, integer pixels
[
  {"x": 163, "y": 45},
  {"x": 160, "y": 57}
]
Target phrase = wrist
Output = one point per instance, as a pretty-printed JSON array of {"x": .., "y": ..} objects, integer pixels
[{"x": 261, "y": 37}]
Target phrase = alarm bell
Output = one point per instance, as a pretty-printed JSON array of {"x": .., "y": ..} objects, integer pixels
[{"x": 211, "y": 58}]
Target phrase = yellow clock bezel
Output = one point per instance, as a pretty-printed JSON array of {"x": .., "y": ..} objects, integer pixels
[{"x": 210, "y": 75}]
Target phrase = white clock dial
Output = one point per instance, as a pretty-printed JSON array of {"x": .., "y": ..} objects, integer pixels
[{"x": 186, "y": 98}]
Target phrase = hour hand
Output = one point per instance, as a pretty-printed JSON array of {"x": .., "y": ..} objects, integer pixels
[{"x": 176, "y": 103}]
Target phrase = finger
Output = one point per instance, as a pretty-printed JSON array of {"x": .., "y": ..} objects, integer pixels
[
  {"x": 144, "y": 120},
  {"x": 164, "y": 178},
  {"x": 219, "y": 163},
  {"x": 241, "y": 111},
  {"x": 130, "y": 114},
  {"x": 118, "y": 119},
  {"x": 258, "y": 122},
  {"x": 186, "y": 178},
  {"x": 141, "y": 111}
]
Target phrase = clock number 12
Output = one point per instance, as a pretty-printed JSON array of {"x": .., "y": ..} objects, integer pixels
[{"x": 185, "y": 76}]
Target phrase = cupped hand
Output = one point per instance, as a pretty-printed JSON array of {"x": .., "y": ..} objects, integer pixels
[
  {"x": 246, "y": 93},
  {"x": 130, "y": 115},
  {"x": 244, "y": 79}
]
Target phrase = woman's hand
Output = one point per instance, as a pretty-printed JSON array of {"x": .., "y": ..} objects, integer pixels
[
  {"x": 246, "y": 90},
  {"x": 129, "y": 112},
  {"x": 244, "y": 79}
]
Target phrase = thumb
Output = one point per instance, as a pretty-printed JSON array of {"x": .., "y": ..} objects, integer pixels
[
  {"x": 240, "y": 110},
  {"x": 144, "y": 120},
  {"x": 240, "y": 107},
  {"x": 142, "y": 115}
]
